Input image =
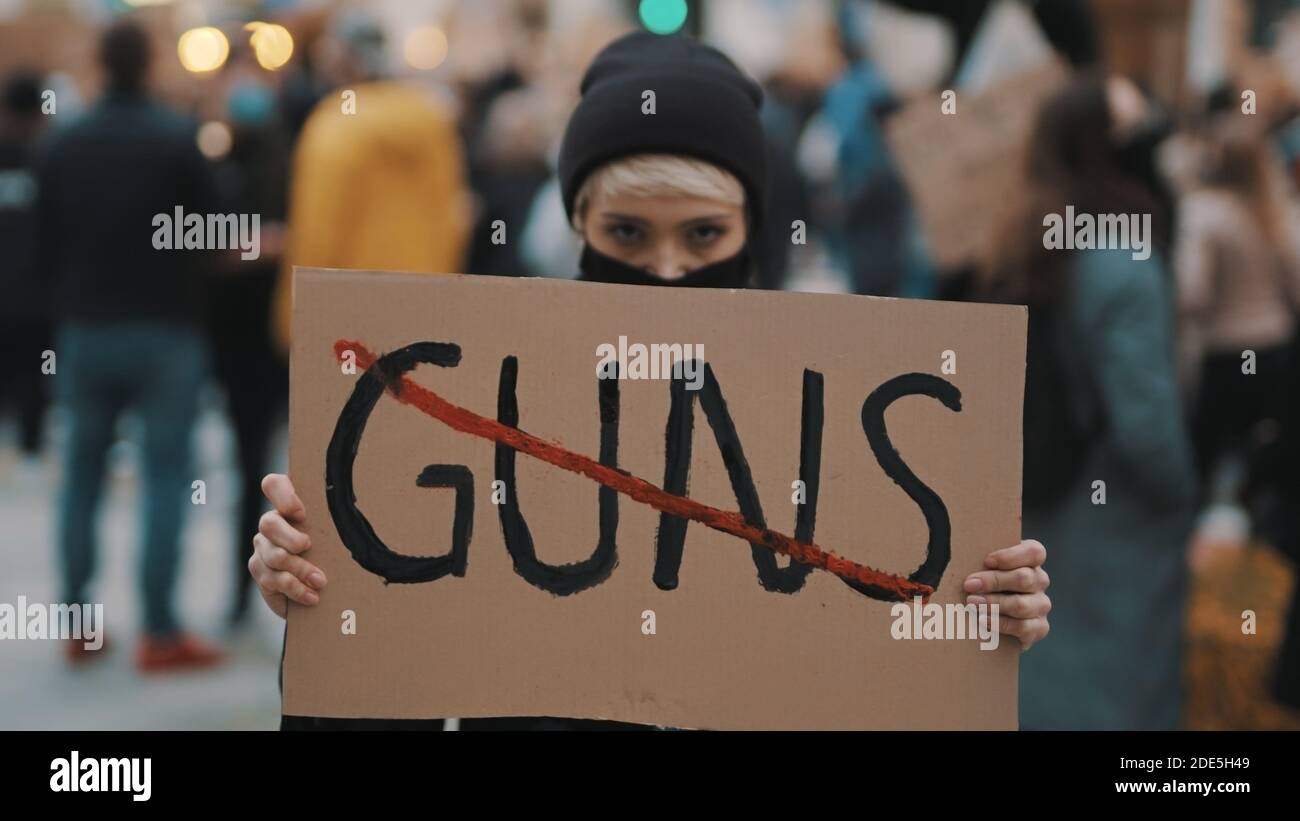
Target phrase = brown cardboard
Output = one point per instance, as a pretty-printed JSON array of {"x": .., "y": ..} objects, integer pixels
[
  {"x": 726, "y": 653},
  {"x": 963, "y": 169}
]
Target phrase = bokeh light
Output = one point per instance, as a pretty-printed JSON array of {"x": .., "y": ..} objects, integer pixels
[
  {"x": 425, "y": 48},
  {"x": 272, "y": 44},
  {"x": 663, "y": 16},
  {"x": 214, "y": 140},
  {"x": 203, "y": 49}
]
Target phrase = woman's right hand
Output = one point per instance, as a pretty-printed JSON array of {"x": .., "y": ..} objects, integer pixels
[{"x": 281, "y": 574}]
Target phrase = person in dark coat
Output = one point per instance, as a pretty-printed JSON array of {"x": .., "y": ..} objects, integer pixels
[{"x": 129, "y": 324}]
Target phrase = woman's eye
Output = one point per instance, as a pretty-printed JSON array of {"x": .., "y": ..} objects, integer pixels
[
  {"x": 625, "y": 233},
  {"x": 705, "y": 234}
]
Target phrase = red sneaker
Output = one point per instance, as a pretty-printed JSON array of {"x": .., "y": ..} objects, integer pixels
[
  {"x": 76, "y": 652},
  {"x": 177, "y": 652}
]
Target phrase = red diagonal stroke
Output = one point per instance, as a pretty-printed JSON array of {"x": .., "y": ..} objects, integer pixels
[{"x": 466, "y": 421}]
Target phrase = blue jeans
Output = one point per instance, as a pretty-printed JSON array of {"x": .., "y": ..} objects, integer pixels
[{"x": 156, "y": 369}]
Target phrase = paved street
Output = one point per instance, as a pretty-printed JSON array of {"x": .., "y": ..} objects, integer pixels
[{"x": 37, "y": 688}]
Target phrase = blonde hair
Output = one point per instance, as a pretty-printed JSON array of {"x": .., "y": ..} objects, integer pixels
[{"x": 658, "y": 175}]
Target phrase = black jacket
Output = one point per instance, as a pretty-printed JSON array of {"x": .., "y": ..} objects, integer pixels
[{"x": 100, "y": 183}]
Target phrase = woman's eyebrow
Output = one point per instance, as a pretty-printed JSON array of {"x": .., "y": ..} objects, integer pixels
[
  {"x": 610, "y": 215},
  {"x": 709, "y": 218}
]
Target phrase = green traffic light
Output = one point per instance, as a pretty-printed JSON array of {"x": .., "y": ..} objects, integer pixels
[{"x": 663, "y": 16}]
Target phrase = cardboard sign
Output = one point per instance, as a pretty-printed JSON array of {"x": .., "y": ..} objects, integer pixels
[
  {"x": 963, "y": 168},
  {"x": 507, "y": 533}
]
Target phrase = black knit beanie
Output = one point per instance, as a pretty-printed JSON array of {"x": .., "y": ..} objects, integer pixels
[{"x": 705, "y": 108}]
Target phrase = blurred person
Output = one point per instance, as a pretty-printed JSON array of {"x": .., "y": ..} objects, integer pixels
[
  {"x": 301, "y": 88},
  {"x": 794, "y": 91},
  {"x": 252, "y": 179},
  {"x": 1239, "y": 290},
  {"x": 508, "y": 170},
  {"x": 671, "y": 200},
  {"x": 865, "y": 213},
  {"x": 129, "y": 325},
  {"x": 1071, "y": 28},
  {"x": 1101, "y": 404},
  {"x": 1238, "y": 273},
  {"x": 377, "y": 178},
  {"x": 25, "y": 310},
  {"x": 786, "y": 110}
]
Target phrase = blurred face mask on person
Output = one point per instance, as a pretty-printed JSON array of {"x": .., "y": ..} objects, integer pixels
[
  {"x": 663, "y": 220},
  {"x": 250, "y": 104}
]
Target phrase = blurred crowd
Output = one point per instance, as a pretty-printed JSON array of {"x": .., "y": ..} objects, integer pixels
[{"x": 393, "y": 139}]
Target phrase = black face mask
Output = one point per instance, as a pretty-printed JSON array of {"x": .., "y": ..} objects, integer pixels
[{"x": 732, "y": 272}]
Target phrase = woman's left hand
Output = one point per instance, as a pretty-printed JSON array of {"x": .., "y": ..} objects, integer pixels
[{"x": 1017, "y": 583}]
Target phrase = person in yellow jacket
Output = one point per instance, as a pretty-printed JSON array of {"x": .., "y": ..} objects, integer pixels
[{"x": 378, "y": 174}]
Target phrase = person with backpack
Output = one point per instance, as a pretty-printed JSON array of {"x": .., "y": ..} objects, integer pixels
[{"x": 1109, "y": 475}]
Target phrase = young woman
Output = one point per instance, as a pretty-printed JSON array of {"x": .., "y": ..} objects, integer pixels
[
  {"x": 1102, "y": 403},
  {"x": 665, "y": 199}
]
